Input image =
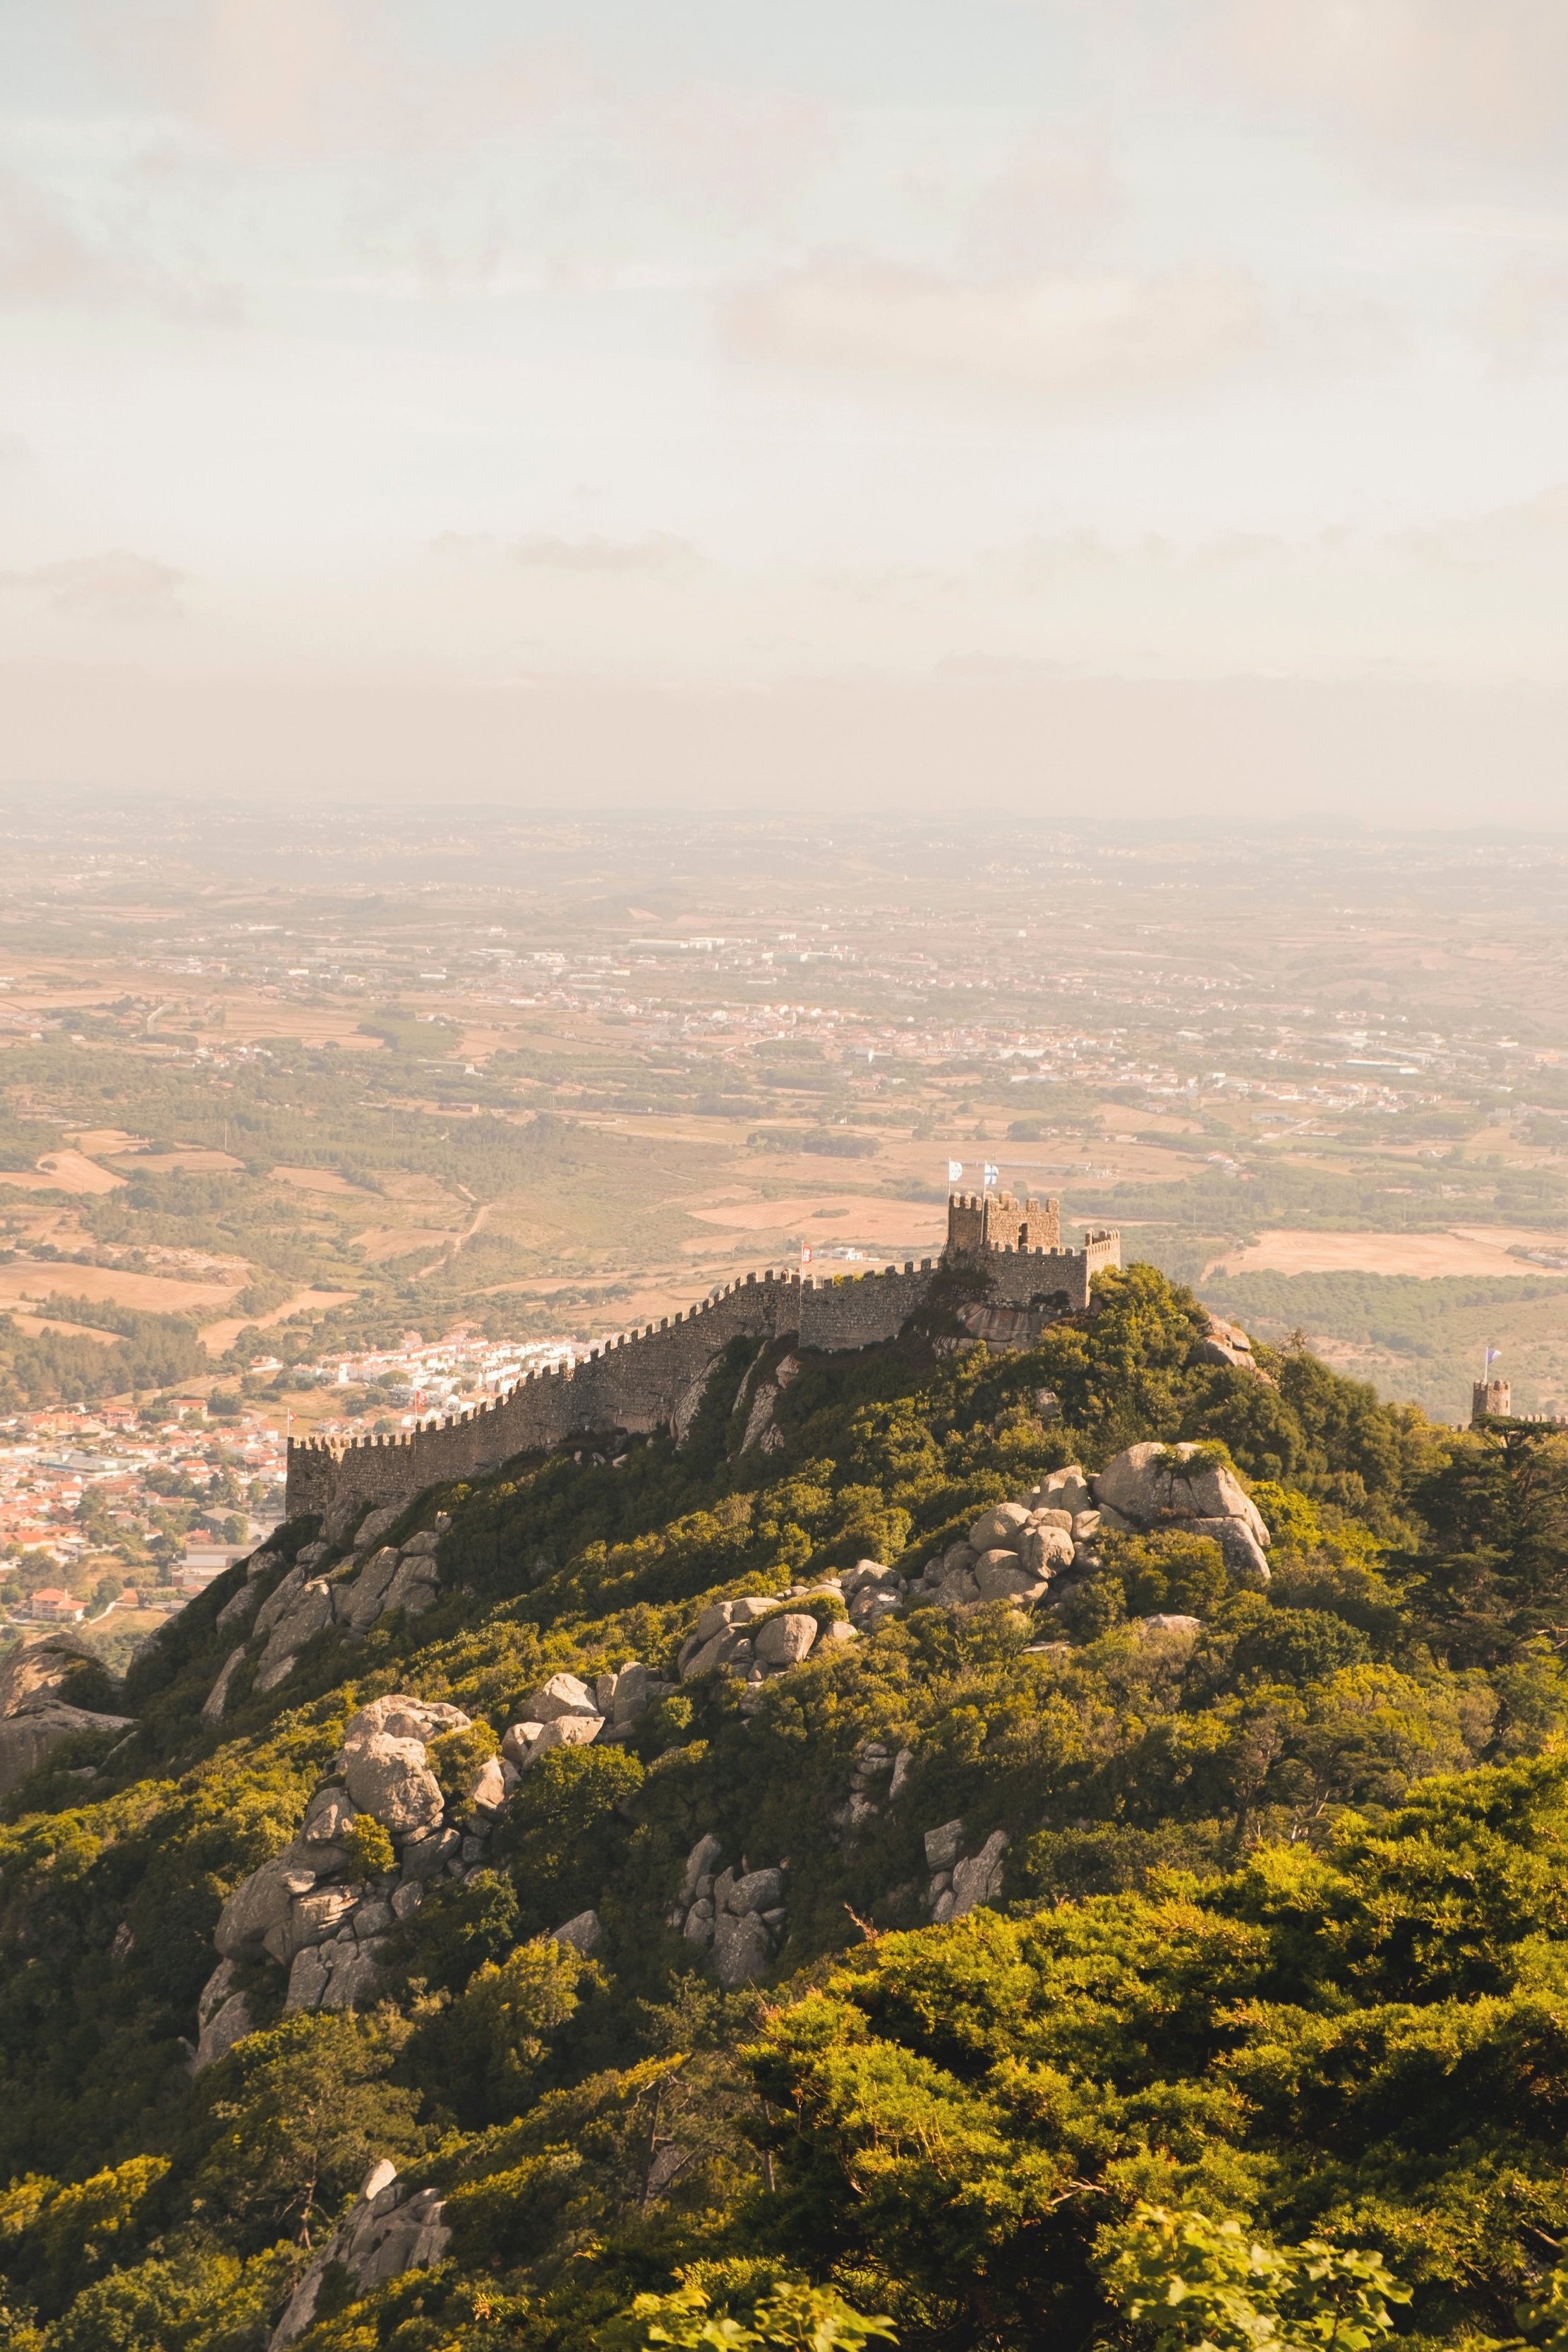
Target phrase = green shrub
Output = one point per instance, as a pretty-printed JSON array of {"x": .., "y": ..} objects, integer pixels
[{"x": 368, "y": 1847}]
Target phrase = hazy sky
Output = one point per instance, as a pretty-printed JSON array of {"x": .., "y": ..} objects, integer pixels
[{"x": 1072, "y": 398}]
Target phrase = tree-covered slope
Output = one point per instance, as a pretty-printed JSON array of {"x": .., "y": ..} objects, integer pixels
[{"x": 1278, "y": 1930}]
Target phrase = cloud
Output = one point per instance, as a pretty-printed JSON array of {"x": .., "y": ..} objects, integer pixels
[
  {"x": 1059, "y": 337},
  {"x": 42, "y": 258},
  {"x": 1530, "y": 534},
  {"x": 746, "y": 149},
  {"x": 1524, "y": 321},
  {"x": 659, "y": 556},
  {"x": 118, "y": 587},
  {"x": 1490, "y": 74},
  {"x": 270, "y": 80},
  {"x": 1046, "y": 203}
]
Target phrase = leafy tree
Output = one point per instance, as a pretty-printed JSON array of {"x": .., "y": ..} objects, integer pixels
[
  {"x": 804, "y": 2318},
  {"x": 1200, "y": 2286},
  {"x": 496, "y": 2038},
  {"x": 296, "y": 2117}
]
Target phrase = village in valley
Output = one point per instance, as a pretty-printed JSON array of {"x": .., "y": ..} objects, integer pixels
[{"x": 115, "y": 1514}]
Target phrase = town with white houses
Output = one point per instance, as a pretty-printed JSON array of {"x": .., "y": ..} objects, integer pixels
[{"x": 117, "y": 1515}]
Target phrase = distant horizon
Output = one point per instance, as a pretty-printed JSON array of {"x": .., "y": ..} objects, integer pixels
[{"x": 1152, "y": 407}]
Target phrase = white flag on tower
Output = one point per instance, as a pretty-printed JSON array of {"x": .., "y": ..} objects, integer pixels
[
  {"x": 955, "y": 1170},
  {"x": 993, "y": 1176}
]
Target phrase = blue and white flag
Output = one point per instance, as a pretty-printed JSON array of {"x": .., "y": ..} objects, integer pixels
[
  {"x": 955, "y": 1170},
  {"x": 1492, "y": 1355},
  {"x": 993, "y": 1176}
]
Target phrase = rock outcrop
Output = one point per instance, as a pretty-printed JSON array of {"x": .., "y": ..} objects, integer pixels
[
  {"x": 959, "y": 1884},
  {"x": 34, "y": 1717},
  {"x": 1015, "y": 1551},
  {"x": 319, "y": 1591},
  {"x": 307, "y": 1911},
  {"x": 740, "y": 1918},
  {"x": 391, "y": 2229},
  {"x": 1226, "y": 1343},
  {"x": 1154, "y": 1486}
]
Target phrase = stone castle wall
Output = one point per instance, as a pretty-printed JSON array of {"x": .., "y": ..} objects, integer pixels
[{"x": 644, "y": 1380}]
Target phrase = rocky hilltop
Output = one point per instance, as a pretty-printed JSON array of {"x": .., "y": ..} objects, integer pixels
[{"x": 836, "y": 1840}]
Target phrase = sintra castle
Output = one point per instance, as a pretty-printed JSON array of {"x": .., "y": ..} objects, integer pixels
[{"x": 653, "y": 1379}]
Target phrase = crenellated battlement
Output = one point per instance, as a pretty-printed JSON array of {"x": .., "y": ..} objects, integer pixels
[{"x": 642, "y": 1380}]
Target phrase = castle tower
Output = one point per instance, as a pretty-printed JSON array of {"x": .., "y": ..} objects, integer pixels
[
  {"x": 991, "y": 1220},
  {"x": 1490, "y": 1398}
]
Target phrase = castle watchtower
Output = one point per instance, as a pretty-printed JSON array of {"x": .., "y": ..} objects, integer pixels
[
  {"x": 977, "y": 1222},
  {"x": 1489, "y": 1397}
]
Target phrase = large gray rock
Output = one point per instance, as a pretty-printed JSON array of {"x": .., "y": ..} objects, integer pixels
[
  {"x": 760, "y": 1890},
  {"x": 342, "y": 1974},
  {"x": 328, "y": 1817},
  {"x": 389, "y": 2230},
  {"x": 413, "y": 1589},
  {"x": 1044, "y": 1549},
  {"x": 760, "y": 1420},
  {"x": 280, "y": 1599},
  {"x": 785, "y": 1640},
  {"x": 562, "y": 1695},
  {"x": 1002, "y": 1576},
  {"x": 731, "y": 1646},
  {"x": 1063, "y": 1490},
  {"x": 402, "y": 1718},
  {"x": 627, "y": 1695},
  {"x": 701, "y": 1862},
  {"x": 356, "y": 1975},
  {"x": 27, "y": 1739},
  {"x": 224, "y": 1981},
  {"x": 367, "y": 1594},
  {"x": 310, "y": 1613},
  {"x": 518, "y": 1741},
  {"x": 690, "y": 1402},
  {"x": 217, "y": 1698},
  {"x": 1225, "y": 1343},
  {"x": 1154, "y": 1486},
  {"x": 584, "y": 1934},
  {"x": 391, "y": 1779},
  {"x": 979, "y": 1879},
  {"x": 944, "y": 1845},
  {"x": 238, "y": 1609},
  {"x": 740, "y": 1949},
  {"x": 228, "y": 2024},
  {"x": 566, "y": 1731},
  {"x": 1238, "y": 1543},
  {"x": 489, "y": 1787},
  {"x": 1000, "y": 1526},
  {"x": 315, "y": 1918},
  {"x": 426, "y": 1857},
  {"x": 956, "y": 1587},
  {"x": 37, "y": 1669},
  {"x": 255, "y": 1917},
  {"x": 374, "y": 1525}
]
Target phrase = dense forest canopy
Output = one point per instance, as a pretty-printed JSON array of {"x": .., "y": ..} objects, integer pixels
[{"x": 1278, "y": 1963}]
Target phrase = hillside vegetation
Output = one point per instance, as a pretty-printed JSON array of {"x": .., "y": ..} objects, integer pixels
[{"x": 1281, "y": 1933}]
